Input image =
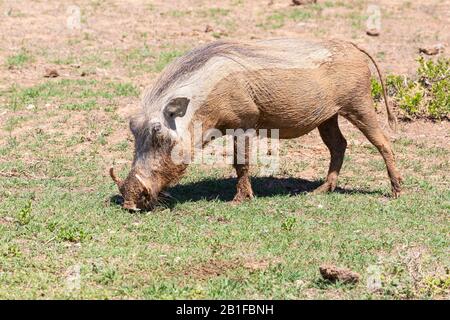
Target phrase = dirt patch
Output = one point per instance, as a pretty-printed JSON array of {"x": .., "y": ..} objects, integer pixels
[
  {"x": 165, "y": 248},
  {"x": 215, "y": 268},
  {"x": 212, "y": 268},
  {"x": 257, "y": 265},
  {"x": 7, "y": 221}
]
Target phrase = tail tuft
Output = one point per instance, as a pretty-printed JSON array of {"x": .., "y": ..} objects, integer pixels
[{"x": 392, "y": 120}]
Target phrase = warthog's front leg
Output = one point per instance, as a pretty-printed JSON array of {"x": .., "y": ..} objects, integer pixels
[{"x": 241, "y": 164}]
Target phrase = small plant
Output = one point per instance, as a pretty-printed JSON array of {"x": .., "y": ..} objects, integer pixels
[
  {"x": 289, "y": 223},
  {"x": 107, "y": 276},
  {"x": 298, "y": 15},
  {"x": 24, "y": 216},
  {"x": 12, "y": 250},
  {"x": 435, "y": 77},
  {"x": 427, "y": 96},
  {"x": 72, "y": 233},
  {"x": 434, "y": 285},
  {"x": 274, "y": 21},
  {"x": 18, "y": 59},
  {"x": 377, "y": 89}
]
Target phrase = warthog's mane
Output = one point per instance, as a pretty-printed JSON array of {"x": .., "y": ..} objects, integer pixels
[{"x": 194, "y": 60}]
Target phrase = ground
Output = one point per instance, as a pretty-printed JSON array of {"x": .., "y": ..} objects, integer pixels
[{"x": 62, "y": 235}]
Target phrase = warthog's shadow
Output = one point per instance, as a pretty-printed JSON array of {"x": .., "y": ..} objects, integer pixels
[{"x": 224, "y": 189}]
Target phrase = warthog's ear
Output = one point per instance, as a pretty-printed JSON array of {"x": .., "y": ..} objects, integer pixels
[{"x": 176, "y": 108}]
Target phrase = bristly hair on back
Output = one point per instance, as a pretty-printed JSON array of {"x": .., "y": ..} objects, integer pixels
[{"x": 192, "y": 61}]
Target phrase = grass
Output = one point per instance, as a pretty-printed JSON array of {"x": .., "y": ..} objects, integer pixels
[
  {"x": 19, "y": 60},
  {"x": 58, "y": 218},
  {"x": 279, "y": 18},
  {"x": 56, "y": 215},
  {"x": 164, "y": 58},
  {"x": 141, "y": 60},
  {"x": 81, "y": 92}
]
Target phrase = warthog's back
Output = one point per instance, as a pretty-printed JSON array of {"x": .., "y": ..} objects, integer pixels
[{"x": 284, "y": 83}]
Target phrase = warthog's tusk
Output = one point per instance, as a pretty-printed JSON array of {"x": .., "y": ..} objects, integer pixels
[
  {"x": 114, "y": 177},
  {"x": 141, "y": 181}
]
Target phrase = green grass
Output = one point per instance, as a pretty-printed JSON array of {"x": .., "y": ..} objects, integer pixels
[
  {"x": 57, "y": 209},
  {"x": 70, "y": 93},
  {"x": 164, "y": 58},
  {"x": 19, "y": 60},
  {"x": 141, "y": 60},
  {"x": 56, "y": 215},
  {"x": 424, "y": 95},
  {"x": 278, "y": 18}
]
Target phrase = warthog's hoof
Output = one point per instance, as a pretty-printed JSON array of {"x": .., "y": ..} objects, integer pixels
[
  {"x": 324, "y": 188},
  {"x": 241, "y": 197},
  {"x": 396, "y": 193},
  {"x": 396, "y": 187}
]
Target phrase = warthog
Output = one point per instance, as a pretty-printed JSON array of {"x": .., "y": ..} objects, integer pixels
[{"x": 291, "y": 85}]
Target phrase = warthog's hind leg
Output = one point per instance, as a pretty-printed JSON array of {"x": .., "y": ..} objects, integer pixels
[
  {"x": 241, "y": 164},
  {"x": 336, "y": 143},
  {"x": 365, "y": 119}
]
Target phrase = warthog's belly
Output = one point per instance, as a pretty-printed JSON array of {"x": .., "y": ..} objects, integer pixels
[{"x": 295, "y": 101}]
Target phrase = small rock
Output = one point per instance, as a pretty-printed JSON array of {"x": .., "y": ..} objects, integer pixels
[
  {"x": 51, "y": 73},
  {"x": 373, "y": 32},
  {"x": 85, "y": 73},
  {"x": 302, "y": 2},
  {"x": 333, "y": 274},
  {"x": 433, "y": 50},
  {"x": 208, "y": 28},
  {"x": 30, "y": 107}
]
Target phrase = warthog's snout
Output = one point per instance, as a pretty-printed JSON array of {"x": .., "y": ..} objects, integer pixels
[{"x": 136, "y": 194}]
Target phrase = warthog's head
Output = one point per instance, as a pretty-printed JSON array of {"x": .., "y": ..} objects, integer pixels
[{"x": 153, "y": 166}]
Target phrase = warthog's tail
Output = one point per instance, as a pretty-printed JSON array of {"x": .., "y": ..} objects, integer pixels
[{"x": 392, "y": 119}]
